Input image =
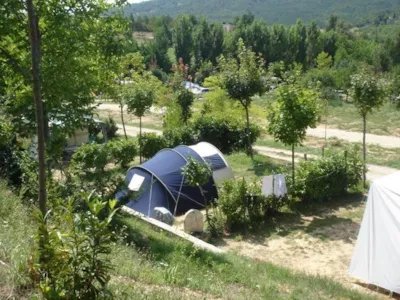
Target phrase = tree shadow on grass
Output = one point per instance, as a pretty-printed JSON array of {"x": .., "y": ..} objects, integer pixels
[
  {"x": 263, "y": 166},
  {"x": 161, "y": 249}
]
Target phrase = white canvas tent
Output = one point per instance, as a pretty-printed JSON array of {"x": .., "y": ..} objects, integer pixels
[{"x": 376, "y": 257}]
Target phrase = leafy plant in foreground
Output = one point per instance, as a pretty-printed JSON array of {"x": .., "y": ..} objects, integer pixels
[{"x": 73, "y": 249}]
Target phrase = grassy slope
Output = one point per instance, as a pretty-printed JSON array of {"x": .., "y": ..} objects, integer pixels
[{"x": 150, "y": 264}]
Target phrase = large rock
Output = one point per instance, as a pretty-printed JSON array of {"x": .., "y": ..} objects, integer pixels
[
  {"x": 194, "y": 221},
  {"x": 163, "y": 215}
]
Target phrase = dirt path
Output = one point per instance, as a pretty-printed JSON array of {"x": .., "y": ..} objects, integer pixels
[
  {"x": 373, "y": 170},
  {"x": 350, "y": 136},
  {"x": 356, "y": 137},
  {"x": 134, "y": 131}
]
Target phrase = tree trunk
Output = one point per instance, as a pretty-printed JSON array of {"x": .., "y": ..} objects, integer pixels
[
  {"x": 35, "y": 52},
  {"x": 293, "y": 177},
  {"x": 364, "y": 152},
  {"x": 122, "y": 118},
  {"x": 140, "y": 139},
  {"x": 250, "y": 149}
]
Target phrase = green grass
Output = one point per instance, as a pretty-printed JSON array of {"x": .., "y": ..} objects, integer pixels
[
  {"x": 158, "y": 260},
  {"x": 244, "y": 167},
  {"x": 385, "y": 121},
  {"x": 376, "y": 155},
  {"x": 152, "y": 264},
  {"x": 343, "y": 115},
  {"x": 16, "y": 242}
]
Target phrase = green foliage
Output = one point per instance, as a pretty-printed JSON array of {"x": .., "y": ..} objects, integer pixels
[
  {"x": 196, "y": 173},
  {"x": 73, "y": 248},
  {"x": 296, "y": 108},
  {"x": 151, "y": 143},
  {"x": 9, "y": 165},
  {"x": 122, "y": 151},
  {"x": 184, "y": 135},
  {"x": 182, "y": 37},
  {"x": 89, "y": 169},
  {"x": 324, "y": 61},
  {"x": 16, "y": 236},
  {"x": 139, "y": 98},
  {"x": 185, "y": 100},
  {"x": 111, "y": 127},
  {"x": 243, "y": 204},
  {"x": 242, "y": 79},
  {"x": 367, "y": 91},
  {"x": 224, "y": 132},
  {"x": 328, "y": 177}
]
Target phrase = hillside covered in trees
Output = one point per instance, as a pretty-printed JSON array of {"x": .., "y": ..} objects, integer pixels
[{"x": 273, "y": 11}]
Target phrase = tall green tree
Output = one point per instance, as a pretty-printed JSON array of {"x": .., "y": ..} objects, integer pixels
[
  {"x": 313, "y": 34},
  {"x": 368, "y": 94},
  {"x": 202, "y": 42},
  {"x": 162, "y": 42},
  {"x": 243, "y": 78},
  {"x": 182, "y": 37},
  {"x": 295, "y": 110},
  {"x": 301, "y": 34}
]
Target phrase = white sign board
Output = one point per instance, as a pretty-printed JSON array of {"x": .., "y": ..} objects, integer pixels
[{"x": 136, "y": 183}]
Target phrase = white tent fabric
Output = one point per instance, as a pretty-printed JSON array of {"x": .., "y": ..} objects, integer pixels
[{"x": 376, "y": 257}]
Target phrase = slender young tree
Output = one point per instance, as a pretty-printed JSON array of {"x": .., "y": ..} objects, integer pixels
[
  {"x": 185, "y": 100},
  {"x": 368, "y": 94},
  {"x": 36, "y": 59},
  {"x": 139, "y": 98},
  {"x": 296, "y": 108},
  {"x": 243, "y": 78}
]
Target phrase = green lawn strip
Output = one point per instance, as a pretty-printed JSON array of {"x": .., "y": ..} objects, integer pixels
[
  {"x": 343, "y": 115},
  {"x": 244, "y": 167},
  {"x": 376, "y": 155},
  {"x": 156, "y": 258}
]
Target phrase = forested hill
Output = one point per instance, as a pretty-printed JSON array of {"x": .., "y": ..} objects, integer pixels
[{"x": 273, "y": 11}]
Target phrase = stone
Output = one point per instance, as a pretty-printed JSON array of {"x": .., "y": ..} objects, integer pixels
[
  {"x": 163, "y": 215},
  {"x": 193, "y": 221}
]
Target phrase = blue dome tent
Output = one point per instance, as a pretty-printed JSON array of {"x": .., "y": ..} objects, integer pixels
[{"x": 160, "y": 183}]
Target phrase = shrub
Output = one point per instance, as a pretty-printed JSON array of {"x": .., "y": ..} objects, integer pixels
[
  {"x": 328, "y": 177},
  {"x": 242, "y": 203},
  {"x": 90, "y": 157},
  {"x": 111, "y": 127},
  {"x": 9, "y": 165},
  {"x": 73, "y": 249},
  {"x": 122, "y": 152},
  {"x": 225, "y": 133},
  {"x": 180, "y": 136},
  {"x": 151, "y": 143}
]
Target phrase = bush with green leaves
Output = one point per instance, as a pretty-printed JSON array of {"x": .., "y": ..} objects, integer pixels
[
  {"x": 224, "y": 132},
  {"x": 328, "y": 177},
  {"x": 88, "y": 170},
  {"x": 243, "y": 204},
  {"x": 111, "y": 127},
  {"x": 180, "y": 136},
  {"x": 122, "y": 151},
  {"x": 73, "y": 250},
  {"x": 151, "y": 143}
]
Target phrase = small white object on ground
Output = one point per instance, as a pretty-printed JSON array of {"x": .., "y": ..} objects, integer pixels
[{"x": 194, "y": 221}]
